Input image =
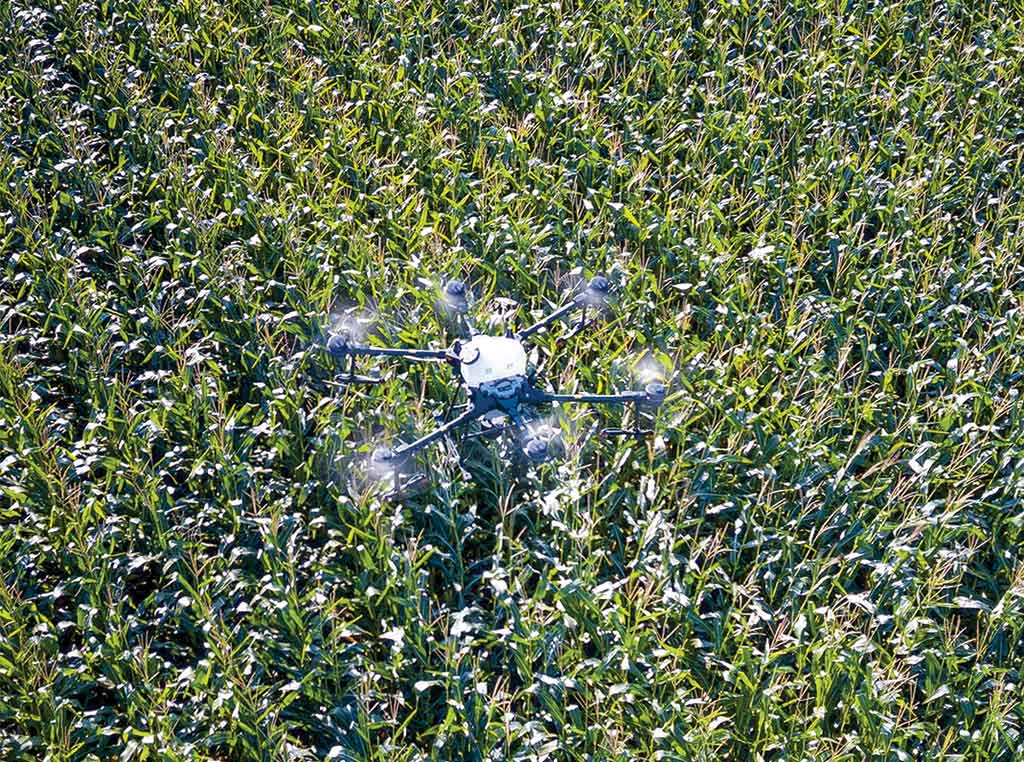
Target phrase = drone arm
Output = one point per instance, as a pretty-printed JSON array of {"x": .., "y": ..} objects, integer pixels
[
  {"x": 549, "y": 319},
  {"x": 422, "y": 355},
  {"x": 597, "y": 399},
  {"x": 594, "y": 295},
  {"x": 646, "y": 401},
  {"x": 340, "y": 348},
  {"x": 443, "y": 430}
]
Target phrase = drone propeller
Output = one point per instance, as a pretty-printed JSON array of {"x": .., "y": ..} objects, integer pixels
[
  {"x": 654, "y": 393},
  {"x": 454, "y": 295},
  {"x": 383, "y": 469},
  {"x": 592, "y": 299},
  {"x": 536, "y": 450},
  {"x": 381, "y": 462},
  {"x": 596, "y": 292},
  {"x": 652, "y": 375},
  {"x": 649, "y": 369},
  {"x": 338, "y": 344},
  {"x": 541, "y": 443}
]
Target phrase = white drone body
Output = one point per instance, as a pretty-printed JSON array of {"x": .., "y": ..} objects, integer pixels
[{"x": 484, "y": 359}]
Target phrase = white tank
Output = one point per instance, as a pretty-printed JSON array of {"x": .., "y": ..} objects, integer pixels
[{"x": 491, "y": 358}]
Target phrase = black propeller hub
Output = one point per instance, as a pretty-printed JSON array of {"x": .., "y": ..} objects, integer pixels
[
  {"x": 536, "y": 450},
  {"x": 596, "y": 292},
  {"x": 654, "y": 393},
  {"x": 455, "y": 295},
  {"x": 339, "y": 344},
  {"x": 383, "y": 456}
]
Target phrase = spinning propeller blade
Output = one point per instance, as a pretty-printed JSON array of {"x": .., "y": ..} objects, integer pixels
[{"x": 649, "y": 369}]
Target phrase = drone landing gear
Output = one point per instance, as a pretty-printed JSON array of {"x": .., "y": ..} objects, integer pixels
[
  {"x": 492, "y": 425},
  {"x": 491, "y": 432},
  {"x": 345, "y": 379},
  {"x": 644, "y": 402},
  {"x": 413, "y": 485},
  {"x": 643, "y": 408},
  {"x": 351, "y": 377},
  {"x": 635, "y": 432},
  {"x": 341, "y": 346}
]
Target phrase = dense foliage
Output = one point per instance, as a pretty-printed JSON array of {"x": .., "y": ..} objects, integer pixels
[{"x": 812, "y": 210}]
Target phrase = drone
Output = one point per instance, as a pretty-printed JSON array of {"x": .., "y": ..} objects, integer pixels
[{"x": 500, "y": 389}]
